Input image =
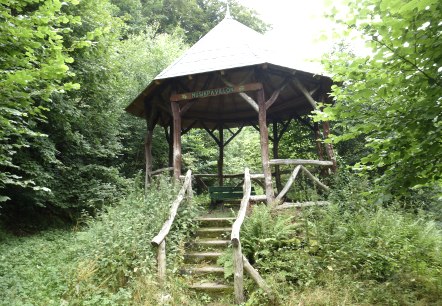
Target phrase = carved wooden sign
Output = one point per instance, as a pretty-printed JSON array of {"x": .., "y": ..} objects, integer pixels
[{"x": 215, "y": 92}]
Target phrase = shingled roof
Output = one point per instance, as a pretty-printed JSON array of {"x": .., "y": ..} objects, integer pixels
[{"x": 234, "y": 52}]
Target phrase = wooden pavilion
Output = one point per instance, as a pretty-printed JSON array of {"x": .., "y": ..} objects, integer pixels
[{"x": 230, "y": 79}]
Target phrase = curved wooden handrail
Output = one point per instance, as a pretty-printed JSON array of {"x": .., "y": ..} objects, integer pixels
[
  {"x": 236, "y": 227},
  {"x": 173, "y": 210}
]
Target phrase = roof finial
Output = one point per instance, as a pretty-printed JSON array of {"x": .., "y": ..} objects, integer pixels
[{"x": 228, "y": 16}]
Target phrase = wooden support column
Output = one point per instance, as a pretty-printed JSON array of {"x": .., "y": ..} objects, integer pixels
[
  {"x": 276, "y": 140},
  {"x": 152, "y": 117},
  {"x": 221, "y": 155},
  {"x": 264, "y": 140},
  {"x": 176, "y": 140},
  {"x": 148, "y": 156},
  {"x": 329, "y": 146},
  {"x": 318, "y": 140}
]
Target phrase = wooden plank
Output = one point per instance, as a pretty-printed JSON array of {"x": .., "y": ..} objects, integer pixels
[
  {"x": 300, "y": 162},
  {"x": 288, "y": 184},
  {"x": 173, "y": 211},
  {"x": 216, "y": 92},
  {"x": 264, "y": 141}
]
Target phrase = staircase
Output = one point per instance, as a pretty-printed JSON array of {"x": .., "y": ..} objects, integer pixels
[{"x": 202, "y": 252}]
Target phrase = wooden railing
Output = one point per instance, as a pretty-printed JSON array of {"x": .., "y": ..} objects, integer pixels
[
  {"x": 299, "y": 166},
  {"x": 240, "y": 262},
  {"x": 159, "y": 240}
]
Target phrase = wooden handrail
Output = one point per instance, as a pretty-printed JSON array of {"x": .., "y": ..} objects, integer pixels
[
  {"x": 160, "y": 239},
  {"x": 236, "y": 227},
  {"x": 238, "y": 263},
  {"x": 300, "y": 162}
]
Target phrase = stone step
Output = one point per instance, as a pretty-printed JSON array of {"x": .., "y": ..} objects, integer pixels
[
  {"x": 199, "y": 257},
  {"x": 207, "y": 244},
  {"x": 203, "y": 270},
  {"x": 216, "y": 221},
  {"x": 210, "y": 286},
  {"x": 214, "y": 232}
]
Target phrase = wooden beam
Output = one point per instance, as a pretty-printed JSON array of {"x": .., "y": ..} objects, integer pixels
[
  {"x": 186, "y": 106},
  {"x": 187, "y": 129},
  {"x": 216, "y": 92},
  {"x": 211, "y": 133},
  {"x": 243, "y": 95},
  {"x": 264, "y": 140},
  {"x": 276, "y": 93},
  {"x": 300, "y": 162},
  {"x": 249, "y": 100},
  {"x": 304, "y": 91},
  {"x": 233, "y": 136}
]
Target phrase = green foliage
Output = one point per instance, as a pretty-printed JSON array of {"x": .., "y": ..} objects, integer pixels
[
  {"x": 34, "y": 64},
  {"x": 105, "y": 261},
  {"x": 356, "y": 253},
  {"x": 392, "y": 98}
]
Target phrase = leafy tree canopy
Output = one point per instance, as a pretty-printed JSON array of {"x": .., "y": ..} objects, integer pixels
[{"x": 392, "y": 99}]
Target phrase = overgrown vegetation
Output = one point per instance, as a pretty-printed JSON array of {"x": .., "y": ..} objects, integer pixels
[
  {"x": 103, "y": 261},
  {"x": 69, "y": 156},
  {"x": 351, "y": 253}
]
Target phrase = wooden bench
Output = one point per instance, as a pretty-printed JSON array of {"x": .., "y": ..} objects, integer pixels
[{"x": 226, "y": 193}]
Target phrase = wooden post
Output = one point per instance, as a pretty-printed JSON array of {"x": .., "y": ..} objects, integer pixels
[
  {"x": 176, "y": 140},
  {"x": 221, "y": 156},
  {"x": 329, "y": 146},
  {"x": 152, "y": 117},
  {"x": 161, "y": 259},
  {"x": 264, "y": 140},
  {"x": 148, "y": 156},
  {"x": 318, "y": 141},
  {"x": 276, "y": 139},
  {"x": 238, "y": 266}
]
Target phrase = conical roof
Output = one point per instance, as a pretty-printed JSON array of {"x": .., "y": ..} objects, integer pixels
[
  {"x": 230, "y": 53},
  {"x": 230, "y": 44}
]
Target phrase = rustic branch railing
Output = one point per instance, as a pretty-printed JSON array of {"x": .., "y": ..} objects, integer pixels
[
  {"x": 239, "y": 261},
  {"x": 299, "y": 163},
  {"x": 159, "y": 240}
]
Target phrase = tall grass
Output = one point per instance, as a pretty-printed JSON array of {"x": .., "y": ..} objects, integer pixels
[{"x": 104, "y": 261}]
